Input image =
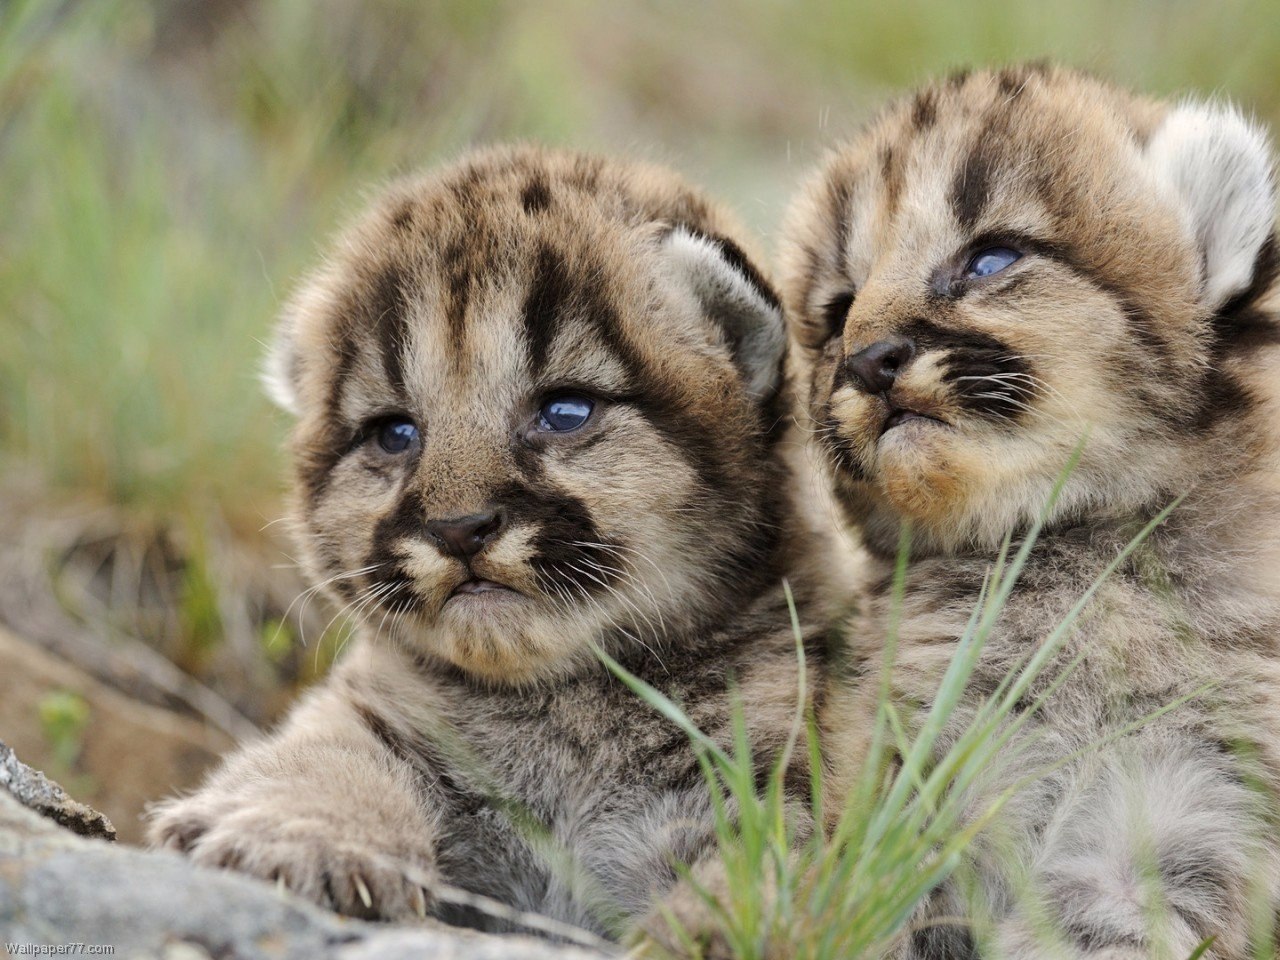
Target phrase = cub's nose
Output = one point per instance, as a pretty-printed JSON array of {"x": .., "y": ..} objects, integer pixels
[
  {"x": 876, "y": 368},
  {"x": 464, "y": 537}
]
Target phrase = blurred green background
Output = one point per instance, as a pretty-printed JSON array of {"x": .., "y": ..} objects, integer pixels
[{"x": 170, "y": 166}]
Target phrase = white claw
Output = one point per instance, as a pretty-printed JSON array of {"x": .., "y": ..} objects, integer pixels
[
  {"x": 362, "y": 890},
  {"x": 280, "y": 886},
  {"x": 419, "y": 903}
]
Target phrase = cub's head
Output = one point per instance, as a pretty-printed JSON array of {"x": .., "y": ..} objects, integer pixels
[
  {"x": 1011, "y": 261},
  {"x": 536, "y": 395}
]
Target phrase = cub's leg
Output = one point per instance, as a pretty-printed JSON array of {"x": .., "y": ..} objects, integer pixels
[
  {"x": 1161, "y": 848},
  {"x": 323, "y": 807}
]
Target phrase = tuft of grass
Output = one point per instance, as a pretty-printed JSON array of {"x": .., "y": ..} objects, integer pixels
[{"x": 906, "y": 826}]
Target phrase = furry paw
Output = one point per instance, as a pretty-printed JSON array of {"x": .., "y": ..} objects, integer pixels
[{"x": 351, "y": 867}]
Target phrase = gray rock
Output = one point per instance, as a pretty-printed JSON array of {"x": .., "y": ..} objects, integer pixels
[
  {"x": 58, "y": 888},
  {"x": 37, "y": 792}
]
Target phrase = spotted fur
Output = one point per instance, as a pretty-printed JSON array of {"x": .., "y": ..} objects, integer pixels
[
  {"x": 660, "y": 531},
  {"x": 1142, "y": 317}
]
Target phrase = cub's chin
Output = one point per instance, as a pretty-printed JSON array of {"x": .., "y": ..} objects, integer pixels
[
  {"x": 922, "y": 469},
  {"x": 501, "y": 636}
]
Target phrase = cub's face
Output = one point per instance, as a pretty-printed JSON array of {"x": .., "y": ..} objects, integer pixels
[
  {"x": 533, "y": 399},
  {"x": 1010, "y": 264}
]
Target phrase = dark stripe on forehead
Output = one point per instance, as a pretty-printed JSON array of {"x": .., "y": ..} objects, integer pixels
[
  {"x": 840, "y": 199},
  {"x": 389, "y": 307},
  {"x": 974, "y": 183},
  {"x": 550, "y": 292},
  {"x": 971, "y": 189},
  {"x": 456, "y": 274},
  {"x": 556, "y": 294},
  {"x": 344, "y": 362},
  {"x": 891, "y": 173}
]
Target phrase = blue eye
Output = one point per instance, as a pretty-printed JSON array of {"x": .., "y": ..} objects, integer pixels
[
  {"x": 991, "y": 261},
  {"x": 397, "y": 434},
  {"x": 566, "y": 412}
]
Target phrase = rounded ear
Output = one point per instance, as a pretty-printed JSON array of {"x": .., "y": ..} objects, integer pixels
[
  {"x": 280, "y": 365},
  {"x": 735, "y": 296},
  {"x": 1219, "y": 166}
]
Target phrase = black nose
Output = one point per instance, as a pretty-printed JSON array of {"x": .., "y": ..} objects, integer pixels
[
  {"x": 877, "y": 367},
  {"x": 464, "y": 537}
]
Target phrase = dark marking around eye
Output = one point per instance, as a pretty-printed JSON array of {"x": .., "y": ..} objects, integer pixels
[
  {"x": 314, "y": 464},
  {"x": 722, "y": 487},
  {"x": 836, "y": 312},
  {"x": 1142, "y": 326}
]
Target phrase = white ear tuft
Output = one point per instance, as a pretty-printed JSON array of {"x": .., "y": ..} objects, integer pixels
[
  {"x": 1219, "y": 165},
  {"x": 738, "y": 299},
  {"x": 280, "y": 368}
]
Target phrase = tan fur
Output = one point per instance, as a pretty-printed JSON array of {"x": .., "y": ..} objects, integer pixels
[
  {"x": 1140, "y": 316},
  {"x": 461, "y": 724}
]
